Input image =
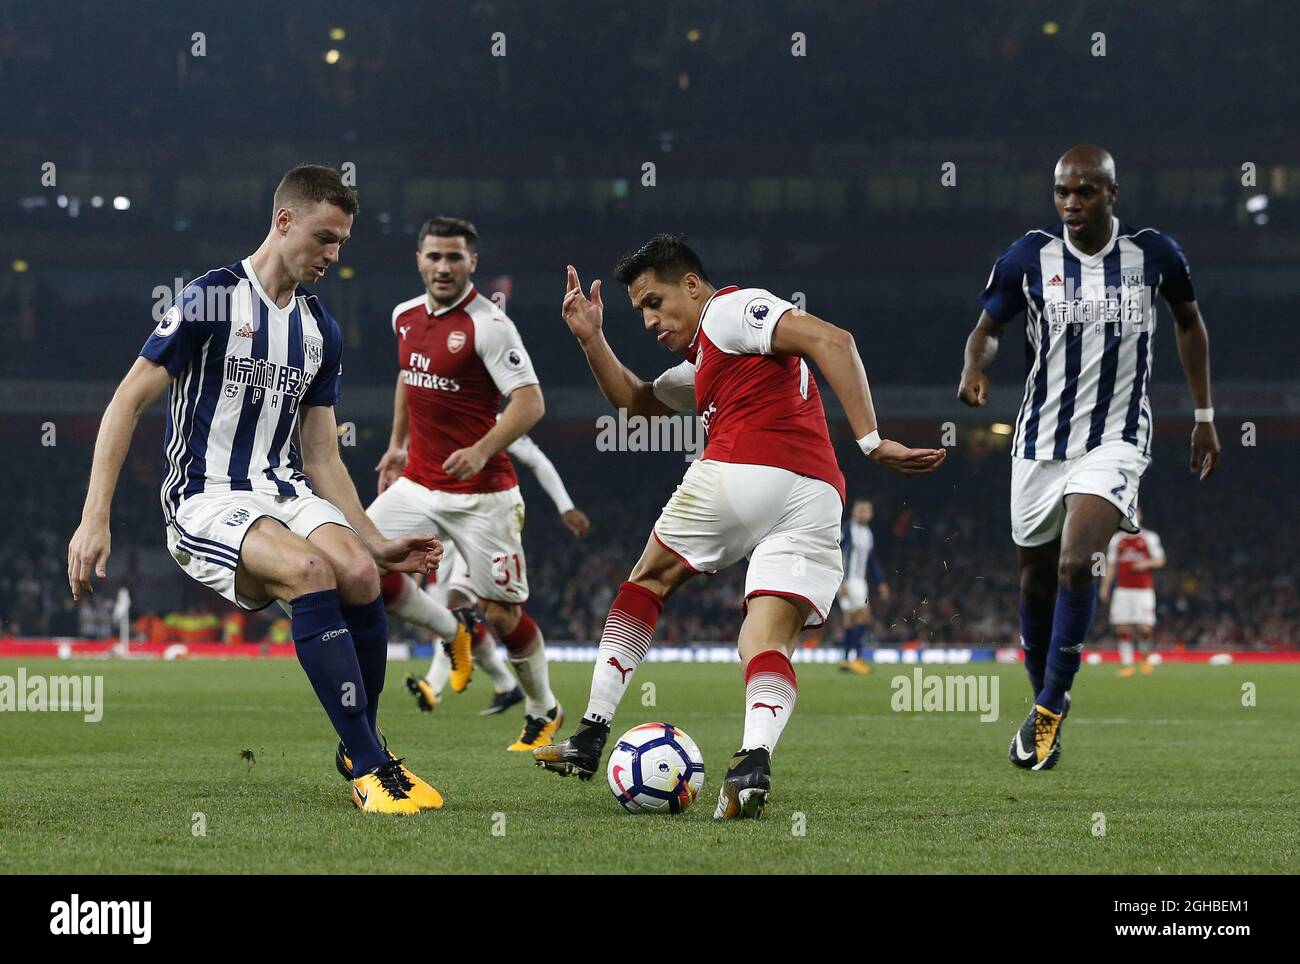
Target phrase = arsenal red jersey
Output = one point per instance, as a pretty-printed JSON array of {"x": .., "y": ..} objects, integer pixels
[
  {"x": 757, "y": 408},
  {"x": 1126, "y": 549},
  {"x": 457, "y": 362}
]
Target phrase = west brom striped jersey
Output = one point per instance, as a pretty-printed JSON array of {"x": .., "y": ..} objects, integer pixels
[
  {"x": 858, "y": 543},
  {"x": 1089, "y": 325},
  {"x": 241, "y": 369}
]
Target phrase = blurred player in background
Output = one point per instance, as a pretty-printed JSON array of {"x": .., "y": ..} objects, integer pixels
[
  {"x": 767, "y": 487},
  {"x": 861, "y": 572},
  {"x": 453, "y": 589},
  {"x": 252, "y": 357},
  {"x": 1131, "y": 591},
  {"x": 1083, "y": 435},
  {"x": 458, "y": 354}
]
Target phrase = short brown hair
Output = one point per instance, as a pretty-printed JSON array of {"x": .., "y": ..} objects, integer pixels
[
  {"x": 445, "y": 227},
  {"x": 310, "y": 183}
]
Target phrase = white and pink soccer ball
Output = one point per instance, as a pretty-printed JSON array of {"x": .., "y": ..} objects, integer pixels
[{"x": 655, "y": 768}]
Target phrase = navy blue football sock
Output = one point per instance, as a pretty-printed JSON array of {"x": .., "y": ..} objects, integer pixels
[
  {"x": 1070, "y": 624},
  {"x": 369, "y": 626},
  {"x": 324, "y": 646},
  {"x": 853, "y": 642},
  {"x": 1036, "y": 631}
]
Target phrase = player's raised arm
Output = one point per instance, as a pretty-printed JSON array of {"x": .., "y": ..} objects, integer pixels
[
  {"x": 90, "y": 545},
  {"x": 1194, "y": 353},
  {"x": 835, "y": 354},
  {"x": 318, "y": 435},
  {"x": 621, "y": 387},
  {"x": 981, "y": 349}
]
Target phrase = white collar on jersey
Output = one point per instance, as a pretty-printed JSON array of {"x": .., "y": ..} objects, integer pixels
[
  {"x": 247, "y": 264},
  {"x": 1100, "y": 256},
  {"x": 726, "y": 290},
  {"x": 470, "y": 292}
]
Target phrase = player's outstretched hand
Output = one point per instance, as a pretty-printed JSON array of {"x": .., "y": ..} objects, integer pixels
[
  {"x": 420, "y": 552},
  {"x": 1205, "y": 449},
  {"x": 87, "y": 552},
  {"x": 577, "y": 522},
  {"x": 905, "y": 461},
  {"x": 974, "y": 389},
  {"x": 390, "y": 468},
  {"x": 583, "y": 315}
]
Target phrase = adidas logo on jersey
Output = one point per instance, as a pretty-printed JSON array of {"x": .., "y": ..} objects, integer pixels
[
  {"x": 1056, "y": 281},
  {"x": 246, "y": 331}
]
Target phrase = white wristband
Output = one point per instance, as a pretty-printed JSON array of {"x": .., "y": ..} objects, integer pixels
[
  {"x": 869, "y": 443},
  {"x": 1205, "y": 415}
]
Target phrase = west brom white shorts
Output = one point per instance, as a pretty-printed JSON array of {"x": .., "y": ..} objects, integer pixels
[
  {"x": 1132, "y": 607},
  {"x": 453, "y": 575},
  {"x": 209, "y": 530},
  {"x": 487, "y": 528},
  {"x": 788, "y": 526},
  {"x": 854, "y": 595},
  {"x": 1112, "y": 471}
]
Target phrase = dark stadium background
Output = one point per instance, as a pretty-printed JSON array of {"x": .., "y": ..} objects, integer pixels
[{"x": 817, "y": 174}]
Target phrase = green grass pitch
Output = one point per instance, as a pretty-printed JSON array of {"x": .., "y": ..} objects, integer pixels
[{"x": 1188, "y": 779}]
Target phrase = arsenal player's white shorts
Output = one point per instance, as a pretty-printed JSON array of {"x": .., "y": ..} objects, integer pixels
[
  {"x": 1132, "y": 607},
  {"x": 1112, "y": 471},
  {"x": 854, "y": 596},
  {"x": 487, "y": 528},
  {"x": 788, "y": 525},
  {"x": 209, "y": 530}
]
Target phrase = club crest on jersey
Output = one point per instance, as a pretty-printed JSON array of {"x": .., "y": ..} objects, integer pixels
[
  {"x": 1134, "y": 278},
  {"x": 756, "y": 312},
  {"x": 170, "y": 322},
  {"x": 314, "y": 347},
  {"x": 455, "y": 341},
  {"x": 236, "y": 517}
]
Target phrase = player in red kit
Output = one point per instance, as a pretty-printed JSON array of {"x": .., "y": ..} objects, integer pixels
[
  {"x": 458, "y": 355},
  {"x": 1130, "y": 590},
  {"x": 767, "y": 487}
]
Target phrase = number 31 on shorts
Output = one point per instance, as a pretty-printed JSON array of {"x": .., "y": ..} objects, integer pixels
[{"x": 501, "y": 568}]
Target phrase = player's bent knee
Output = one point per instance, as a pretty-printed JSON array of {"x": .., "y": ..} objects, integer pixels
[
  {"x": 503, "y": 617},
  {"x": 1074, "y": 571},
  {"x": 358, "y": 579}
]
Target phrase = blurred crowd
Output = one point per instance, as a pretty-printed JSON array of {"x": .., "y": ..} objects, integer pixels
[{"x": 942, "y": 540}]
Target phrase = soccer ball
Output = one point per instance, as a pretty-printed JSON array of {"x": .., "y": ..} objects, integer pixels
[{"x": 654, "y": 768}]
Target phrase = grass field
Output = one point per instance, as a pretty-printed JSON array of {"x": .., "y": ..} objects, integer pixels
[{"x": 1188, "y": 780}]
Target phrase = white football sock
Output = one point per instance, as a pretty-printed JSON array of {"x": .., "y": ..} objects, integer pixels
[
  {"x": 624, "y": 641},
  {"x": 1126, "y": 652},
  {"x": 528, "y": 657},
  {"x": 769, "y": 702},
  {"x": 439, "y": 669},
  {"x": 488, "y": 658},
  {"x": 416, "y": 606}
]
